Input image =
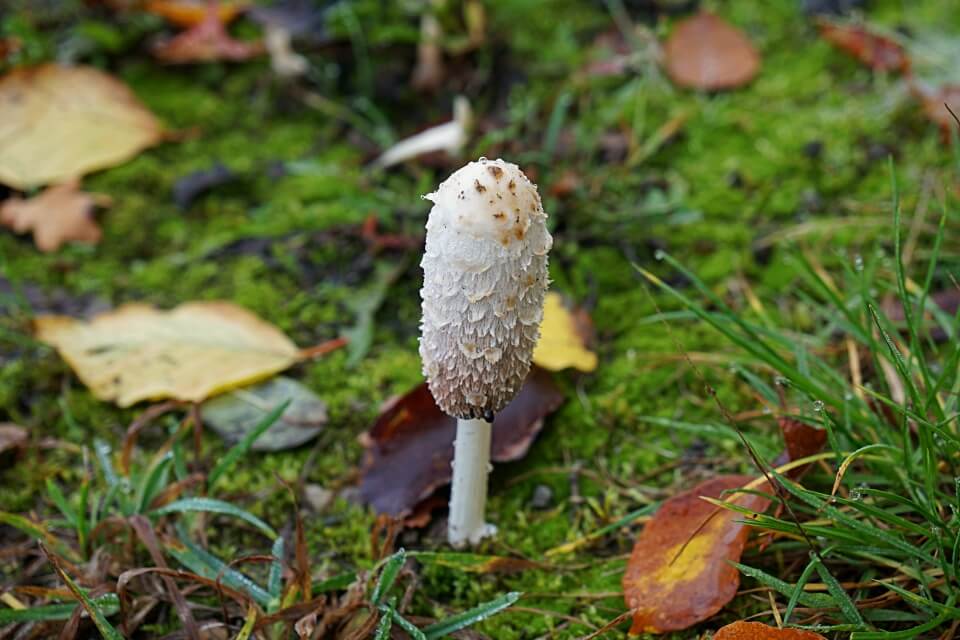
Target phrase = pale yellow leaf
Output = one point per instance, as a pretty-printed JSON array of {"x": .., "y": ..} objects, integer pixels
[
  {"x": 560, "y": 345},
  {"x": 137, "y": 352},
  {"x": 61, "y": 122}
]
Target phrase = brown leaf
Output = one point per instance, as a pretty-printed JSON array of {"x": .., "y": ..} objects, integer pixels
[
  {"x": 873, "y": 50},
  {"x": 743, "y": 630},
  {"x": 207, "y": 41},
  {"x": 60, "y": 214},
  {"x": 410, "y": 446},
  {"x": 679, "y": 573},
  {"x": 12, "y": 436},
  {"x": 801, "y": 440},
  {"x": 706, "y": 52}
]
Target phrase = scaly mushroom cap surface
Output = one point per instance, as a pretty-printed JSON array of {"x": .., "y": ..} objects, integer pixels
[{"x": 484, "y": 279}]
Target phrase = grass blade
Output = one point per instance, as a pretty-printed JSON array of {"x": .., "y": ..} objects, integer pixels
[
  {"x": 107, "y": 630},
  {"x": 212, "y": 505},
  {"x": 388, "y": 575},
  {"x": 240, "y": 449},
  {"x": 471, "y": 616},
  {"x": 108, "y": 603}
]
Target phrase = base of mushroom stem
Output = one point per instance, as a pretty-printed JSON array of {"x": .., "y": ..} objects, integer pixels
[
  {"x": 468, "y": 492},
  {"x": 463, "y": 539}
]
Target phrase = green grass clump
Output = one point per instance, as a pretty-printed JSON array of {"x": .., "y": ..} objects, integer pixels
[{"x": 878, "y": 525}]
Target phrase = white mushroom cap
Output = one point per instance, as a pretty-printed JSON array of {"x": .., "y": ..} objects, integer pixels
[{"x": 485, "y": 276}]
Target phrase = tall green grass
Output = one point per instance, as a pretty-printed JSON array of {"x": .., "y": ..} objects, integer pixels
[{"x": 883, "y": 515}]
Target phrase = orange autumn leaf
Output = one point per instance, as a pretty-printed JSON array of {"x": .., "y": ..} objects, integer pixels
[
  {"x": 189, "y": 13},
  {"x": 62, "y": 213},
  {"x": 679, "y": 573},
  {"x": 878, "y": 52},
  {"x": 207, "y": 41},
  {"x": 706, "y": 52},
  {"x": 743, "y": 630}
]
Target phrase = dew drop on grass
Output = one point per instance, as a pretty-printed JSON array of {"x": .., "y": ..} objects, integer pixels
[
  {"x": 818, "y": 406},
  {"x": 856, "y": 495},
  {"x": 780, "y": 381},
  {"x": 659, "y": 254},
  {"x": 858, "y": 263}
]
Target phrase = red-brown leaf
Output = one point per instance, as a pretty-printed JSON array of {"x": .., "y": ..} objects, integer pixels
[
  {"x": 208, "y": 41},
  {"x": 743, "y": 630},
  {"x": 801, "y": 440},
  {"x": 410, "y": 447},
  {"x": 706, "y": 52},
  {"x": 875, "y": 51},
  {"x": 679, "y": 573}
]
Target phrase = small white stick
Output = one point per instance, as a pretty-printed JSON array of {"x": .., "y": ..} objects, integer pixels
[{"x": 468, "y": 495}]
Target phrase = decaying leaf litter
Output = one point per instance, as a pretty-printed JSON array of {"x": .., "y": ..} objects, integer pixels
[{"x": 289, "y": 241}]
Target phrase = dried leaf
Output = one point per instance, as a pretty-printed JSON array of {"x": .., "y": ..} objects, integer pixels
[
  {"x": 679, "y": 573},
  {"x": 448, "y": 137},
  {"x": 410, "y": 447},
  {"x": 743, "y": 630},
  {"x": 60, "y": 214},
  {"x": 189, "y": 13},
  {"x": 801, "y": 440},
  {"x": 207, "y": 41},
  {"x": 878, "y": 52},
  {"x": 560, "y": 346},
  {"x": 137, "y": 352},
  {"x": 12, "y": 436},
  {"x": 236, "y": 413},
  {"x": 59, "y": 123},
  {"x": 706, "y": 52}
]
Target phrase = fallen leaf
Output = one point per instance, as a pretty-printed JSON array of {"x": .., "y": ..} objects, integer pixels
[
  {"x": 410, "y": 446},
  {"x": 189, "y": 13},
  {"x": 60, "y": 214},
  {"x": 12, "y": 436},
  {"x": 237, "y": 412},
  {"x": 448, "y": 137},
  {"x": 58, "y": 123},
  {"x": 801, "y": 440},
  {"x": 560, "y": 346},
  {"x": 706, "y": 52},
  {"x": 679, "y": 573},
  {"x": 878, "y": 52},
  {"x": 207, "y": 41},
  {"x": 743, "y": 630},
  {"x": 137, "y": 352}
]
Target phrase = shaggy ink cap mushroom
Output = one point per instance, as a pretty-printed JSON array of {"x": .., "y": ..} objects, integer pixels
[
  {"x": 485, "y": 276},
  {"x": 484, "y": 280}
]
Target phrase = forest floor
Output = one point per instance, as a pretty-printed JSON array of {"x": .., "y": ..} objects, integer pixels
[{"x": 795, "y": 162}]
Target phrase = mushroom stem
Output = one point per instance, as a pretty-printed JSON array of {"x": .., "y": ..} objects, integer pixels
[{"x": 468, "y": 495}]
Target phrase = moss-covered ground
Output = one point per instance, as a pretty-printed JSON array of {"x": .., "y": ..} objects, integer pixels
[{"x": 798, "y": 157}]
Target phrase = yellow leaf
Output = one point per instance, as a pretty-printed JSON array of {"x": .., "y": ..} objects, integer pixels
[
  {"x": 560, "y": 346},
  {"x": 196, "y": 350},
  {"x": 58, "y": 123}
]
